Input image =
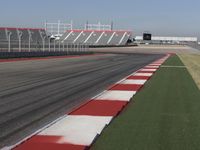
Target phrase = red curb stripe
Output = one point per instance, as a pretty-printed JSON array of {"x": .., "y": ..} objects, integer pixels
[
  {"x": 127, "y": 87},
  {"x": 100, "y": 108},
  {"x": 139, "y": 77},
  {"x": 47, "y": 143}
]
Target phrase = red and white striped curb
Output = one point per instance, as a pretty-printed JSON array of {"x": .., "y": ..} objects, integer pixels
[{"x": 78, "y": 130}]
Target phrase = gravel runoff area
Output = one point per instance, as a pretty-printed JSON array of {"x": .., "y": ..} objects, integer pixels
[
  {"x": 35, "y": 92},
  {"x": 163, "y": 116}
]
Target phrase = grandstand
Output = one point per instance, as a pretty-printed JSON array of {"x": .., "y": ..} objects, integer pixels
[
  {"x": 20, "y": 37},
  {"x": 35, "y": 33},
  {"x": 61, "y": 38},
  {"x": 24, "y": 39},
  {"x": 96, "y": 37},
  {"x": 93, "y": 34}
]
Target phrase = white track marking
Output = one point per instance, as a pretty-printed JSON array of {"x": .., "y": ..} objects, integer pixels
[
  {"x": 80, "y": 130},
  {"x": 117, "y": 95}
]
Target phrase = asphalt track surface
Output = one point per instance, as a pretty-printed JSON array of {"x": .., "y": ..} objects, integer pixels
[
  {"x": 150, "y": 49},
  {"x": 34, "y": 93}
]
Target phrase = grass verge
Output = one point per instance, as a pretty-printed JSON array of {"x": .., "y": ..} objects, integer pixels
[{"x": 165, "y": 115}]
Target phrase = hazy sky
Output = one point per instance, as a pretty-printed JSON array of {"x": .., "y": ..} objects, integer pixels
[{"x": 161, "y": 17}]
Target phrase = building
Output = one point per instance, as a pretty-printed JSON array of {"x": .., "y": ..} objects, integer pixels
[{"x": 165, "y": 39}]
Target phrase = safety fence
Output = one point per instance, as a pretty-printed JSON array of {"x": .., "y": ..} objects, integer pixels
[{"x": 44, "y": 46}]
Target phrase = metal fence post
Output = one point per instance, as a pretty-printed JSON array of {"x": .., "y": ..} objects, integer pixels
[
  {"x": 72, "y": 49},
  {"x": 80, "y": 47},
  {"x": 29, "y": 43},
  {"x": 43, "y": 42},
  {"x": 59, "y": 46},
  {"x": 20, "y": 37},
  {"x": 54, "y": 46},
  {"x": 49, "y": 44},
  {"x": 30, "y": 39},
  {"x": 9, "y": 35},
  {"x": 84, "y": 47},
  {"x": 67, "y": 48},
  {"x": 77, "y": 47}
]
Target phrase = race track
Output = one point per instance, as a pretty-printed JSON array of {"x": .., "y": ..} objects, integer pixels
[{"x": 34, "y": 93}]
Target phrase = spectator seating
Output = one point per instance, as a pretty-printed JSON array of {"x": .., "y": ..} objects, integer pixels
[{"x": 96, "y": 37}]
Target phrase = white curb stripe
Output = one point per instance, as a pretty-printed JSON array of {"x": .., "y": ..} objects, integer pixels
[
  {"x": 78, "y": 130},
  {"x": 155, "y": 64},
  {"x": 117, "y": 95},
  {"x": 148, "y": 69},
  {"x": 143, "y": 74},
  {"x": 129, "y": 81},
  {"x": 151, "y": 66}
]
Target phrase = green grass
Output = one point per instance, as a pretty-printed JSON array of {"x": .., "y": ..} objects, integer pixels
[
  {"x": 174, "y": 61},
  {"x": 165, "y": 115}
]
